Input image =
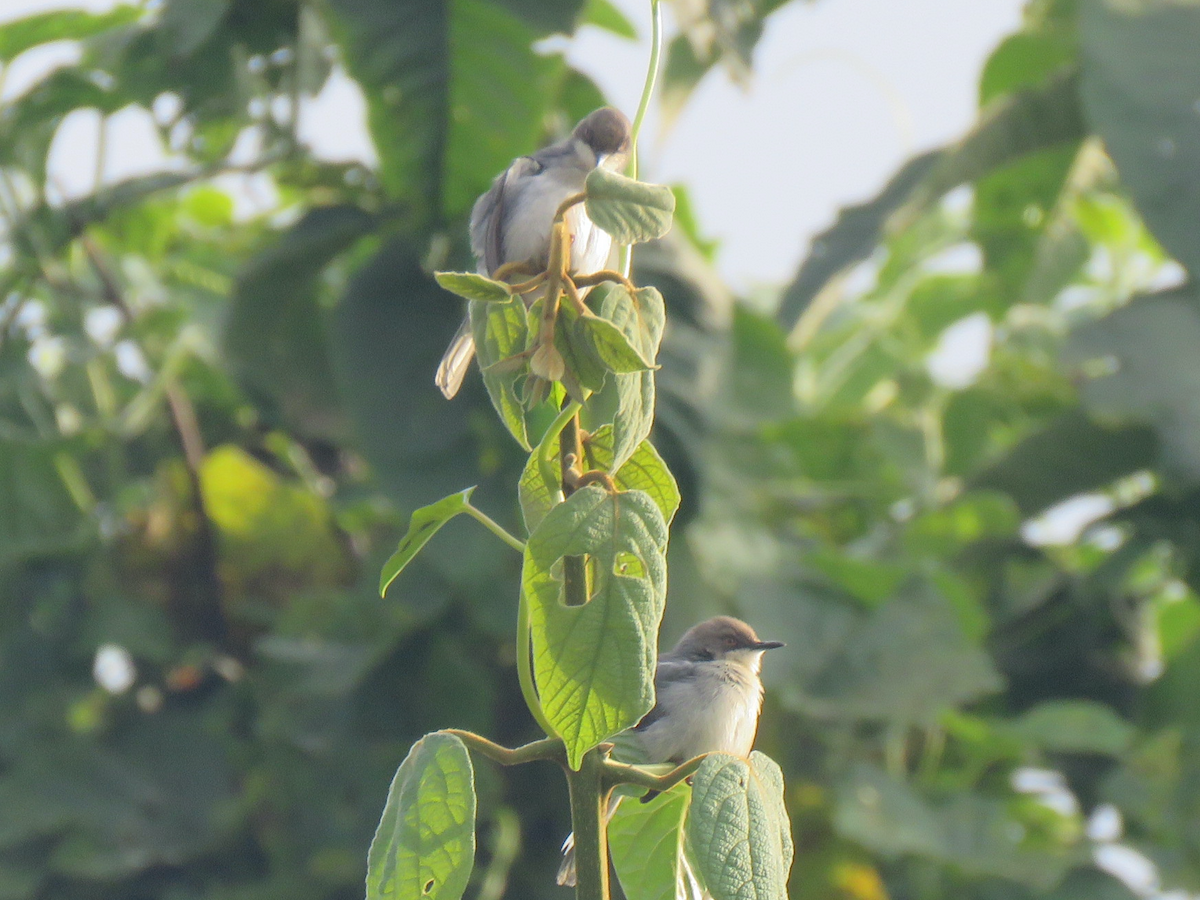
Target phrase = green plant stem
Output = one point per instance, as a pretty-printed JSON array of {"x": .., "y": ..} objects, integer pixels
[
  {"x": 550, "y": 749},
  {"x": 545, "y": 450},
  {"x": 525, "y": 668},
  {"x": 622, "y": 773},
  {"x": 626, "y": 259},
  {"x": 495, "y": 528},
  {"x": 588, "y": 822},
  {"x": 570, "y": 451}
]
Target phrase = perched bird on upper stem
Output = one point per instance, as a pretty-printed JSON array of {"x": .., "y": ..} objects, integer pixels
[
  {"x": 708, "y": 697},
  {"x": 512, "y": 222}
]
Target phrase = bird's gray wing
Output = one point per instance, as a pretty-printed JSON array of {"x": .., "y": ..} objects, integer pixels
[
  {"x": 668, "y": 672},
  {"x": 487, "y": 216}
]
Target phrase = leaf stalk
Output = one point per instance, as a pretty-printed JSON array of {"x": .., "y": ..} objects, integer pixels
[
  {"x": 525, "y": 668},
  {"x": 495, "y": 527},
  {"x": 550, "y": 749},
  {"x": 622, "y": 773}
]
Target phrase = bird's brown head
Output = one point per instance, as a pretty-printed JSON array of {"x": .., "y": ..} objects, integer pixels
[
  {"x": 607, "y": 132},
  {"x": 723, "y": 638}
]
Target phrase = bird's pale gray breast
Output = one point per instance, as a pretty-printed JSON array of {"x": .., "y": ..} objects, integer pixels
[
  {"x": 512, "y": 221},
  {"x": 702, "y": 707}
]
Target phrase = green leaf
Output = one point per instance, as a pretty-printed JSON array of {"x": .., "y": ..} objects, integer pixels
[
  {"x": 681, "y": 73},
  {"x": 266, "y": 523},
  {"x": 737, "y": 832},
  {"x": 398, "y": 53},
  {"x": 761, "y": 382},
  {"x": 275, "y": 334},
  {"x": 423, "y": 525},
  {"x": 594, "y": 663},
  {"x": 37, "y": 513},
  {"x": 643, "y": 471},
  {"x": 633, "y": 417},
  {"x": 60, "y": 25},
  {"x": 501, "y": 331},
  {"x": 628, "y": 330},
  {"x": 853, "y": 237},
  {"x": 1074, "y": 726},
  {"x": 1006, "y": 838},
  {"x": 1140, "y": 71},
  {"x": 185, "y": 25},
  {"x": 1030, "y": 121},
  {"x": 1045, "y": 467},
  {"x": 874, "y": 677},
  {"x": 573, "y": 340},
  {"x": 646, "y": 843},
  {"x": 627, "y": 400},
  {"x": 447, "y": 110},
  {"x": 1137, "y": 366},
  {"x": 424, "y": 846},
  {"x": 868, "y": 580},
  {"x": 631, "y": 211},
  {"x": 1091, "y": 884},
  {"x": 612, "y": 346},
  {"x": 976, "y": 834},
  {"x": 474, "y": 287},
  {"x": 605, "y": 14},
  {"x": 1024, "y": 60},
  {"x": 500, "y": 90},
  {"x": 721, "y": 31},
  {"x": 1005, "y": 200},
  {"x": 546, "y": 16},
  {"x": 885, "y": 815},
  {"x": 94, "y": 799}
]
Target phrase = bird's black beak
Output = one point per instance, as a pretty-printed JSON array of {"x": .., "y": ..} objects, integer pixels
[{"x": 767, "y": 645}]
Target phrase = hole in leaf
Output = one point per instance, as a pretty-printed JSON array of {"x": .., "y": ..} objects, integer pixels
[
  {"x": 590, "y": 574},
  {"x": 628, "y": 565},
  {"x": 428, "y": 886}
]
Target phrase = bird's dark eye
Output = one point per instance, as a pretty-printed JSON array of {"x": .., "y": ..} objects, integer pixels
[{"x": 730, "y": 641}]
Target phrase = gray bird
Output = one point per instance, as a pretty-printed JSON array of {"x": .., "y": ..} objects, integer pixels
[
  {"x": 708, "y": 697},
  {"x": 512, "y": 222}
]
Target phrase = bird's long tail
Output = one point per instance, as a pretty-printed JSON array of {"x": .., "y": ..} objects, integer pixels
[
  {"x": 566, "y": 870},
  {"x": 688, "y": 887},
  {"x": 456, "y": 360}
]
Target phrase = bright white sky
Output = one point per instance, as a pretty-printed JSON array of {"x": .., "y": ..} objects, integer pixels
[{"x": 844, "y": 91}]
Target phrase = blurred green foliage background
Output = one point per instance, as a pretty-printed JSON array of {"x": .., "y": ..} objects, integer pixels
[{"x": 213, "y": 429}]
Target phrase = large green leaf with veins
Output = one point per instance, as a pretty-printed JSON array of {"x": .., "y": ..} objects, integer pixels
[
  {"x": 646, "y": 843},
  {"x": 594, "y": 663},
  {"x": 424, "y": 848},
  {"x": 738, "y": 834}
]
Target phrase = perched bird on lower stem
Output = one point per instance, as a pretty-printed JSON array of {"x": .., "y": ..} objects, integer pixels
[{"x": 708, "y": 697}]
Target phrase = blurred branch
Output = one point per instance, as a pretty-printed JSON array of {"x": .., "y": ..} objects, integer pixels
[{"x": 182, "y": 413}]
